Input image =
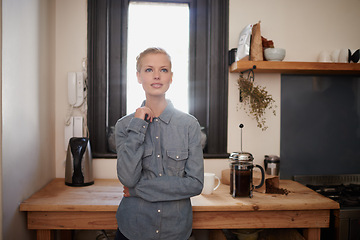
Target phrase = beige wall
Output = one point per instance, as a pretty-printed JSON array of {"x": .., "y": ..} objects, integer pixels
[
  {"x": 1, "y": 221},
  {"x": 28, "y": 107},
  {"x": 303, "y": 28}
]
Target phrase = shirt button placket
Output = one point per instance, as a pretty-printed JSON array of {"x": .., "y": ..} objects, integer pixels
[
  {"x": 157, "y": 144},
  {"x": 157, "y": 231}
]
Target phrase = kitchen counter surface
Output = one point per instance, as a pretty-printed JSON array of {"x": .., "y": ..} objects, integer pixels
[
  {"x": 58, "y": 206},
  {"x": 299, "y": 198},
  {"x": 105, "y": 195}
]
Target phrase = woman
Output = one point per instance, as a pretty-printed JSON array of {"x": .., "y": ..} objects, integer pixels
[{"x": 159, "y": 159}]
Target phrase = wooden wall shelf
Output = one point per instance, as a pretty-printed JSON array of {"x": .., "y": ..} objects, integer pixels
[{"x": 296, "y": 67}]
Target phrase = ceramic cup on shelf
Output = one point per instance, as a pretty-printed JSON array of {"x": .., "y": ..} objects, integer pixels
[
  {"x": 335, "y": 55},
  {"x": 344, "y": 55},
  {"x": 274, "y": 54},
  {"x": 324, "y": 56},
  {"x": 209, "y": 183},
  {"x": 354, "y": 55}
]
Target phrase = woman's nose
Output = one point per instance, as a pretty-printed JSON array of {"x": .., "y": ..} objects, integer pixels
[{"x": 156, "y": 75}]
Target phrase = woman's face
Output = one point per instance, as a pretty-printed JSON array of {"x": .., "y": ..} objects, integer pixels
[{"x": 155, "y": 74}]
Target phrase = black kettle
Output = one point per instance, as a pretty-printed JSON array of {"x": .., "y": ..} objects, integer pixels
[{"x": 78, "y": 169}]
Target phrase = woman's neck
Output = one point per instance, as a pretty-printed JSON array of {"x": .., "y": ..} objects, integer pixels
[{"x": 156, "y": 104}]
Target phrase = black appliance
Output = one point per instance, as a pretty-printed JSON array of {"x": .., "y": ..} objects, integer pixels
[
  {"x": 78, "y": 169},
  {"x": 344, "y": 189}
]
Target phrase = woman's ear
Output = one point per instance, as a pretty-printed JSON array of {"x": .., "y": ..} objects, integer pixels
[{"x": 138, "y": 77}]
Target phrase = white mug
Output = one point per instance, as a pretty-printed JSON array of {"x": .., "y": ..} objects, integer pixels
[
  {"x": 344, "y": 55},
  {"x": 324, "y": 56},
  {"x": 209, "y": 183},
  {"x": 335, "y": 55}
]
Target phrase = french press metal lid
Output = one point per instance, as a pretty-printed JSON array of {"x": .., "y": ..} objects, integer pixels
[{"x": 243, "y": 157}]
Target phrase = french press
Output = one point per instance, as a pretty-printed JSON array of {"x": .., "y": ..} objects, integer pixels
[{"x": 241, "y": 173}]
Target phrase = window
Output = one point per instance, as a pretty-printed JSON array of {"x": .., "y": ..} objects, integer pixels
[
  {"x": 172, "y": 35},
  {"x": 107, "y": 70}
]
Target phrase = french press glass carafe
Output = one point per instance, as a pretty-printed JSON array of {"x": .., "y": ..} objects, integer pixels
[{"x": 241, "y": 173}]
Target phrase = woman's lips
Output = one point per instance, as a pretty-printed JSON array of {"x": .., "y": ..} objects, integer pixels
[{"x": 156, "y": 85}]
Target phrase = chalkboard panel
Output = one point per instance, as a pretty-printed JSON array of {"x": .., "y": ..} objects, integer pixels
[{"x": 320, "y": 127}]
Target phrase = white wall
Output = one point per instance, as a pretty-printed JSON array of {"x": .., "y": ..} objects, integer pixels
[
  {"x": 1, "y": 217},
  {"x": 71, "y": 49},
  {"x": 28, "y": 109},
  {"x": 303, "y": 28}
]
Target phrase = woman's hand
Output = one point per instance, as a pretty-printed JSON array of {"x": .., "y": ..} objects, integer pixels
[
  {"x": 126, "y": 192},
  {"x": 144, "y": 113}
]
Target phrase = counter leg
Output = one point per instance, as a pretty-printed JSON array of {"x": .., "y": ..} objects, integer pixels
[
  {"x": 312, "y": 233},
  {"x": 44, "y": 234},
  {"x": 66, "y": 234},
  {"x": 216, "y": 234}
]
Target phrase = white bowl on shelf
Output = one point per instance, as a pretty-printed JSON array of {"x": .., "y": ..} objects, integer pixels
[{"x": 274, "y": 54}]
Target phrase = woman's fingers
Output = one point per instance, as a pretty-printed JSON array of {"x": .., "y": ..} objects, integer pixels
[{"x": 144, "y": 113}]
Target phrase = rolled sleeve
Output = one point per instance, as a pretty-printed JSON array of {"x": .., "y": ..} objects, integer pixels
[{"x": 130, "y": 135}]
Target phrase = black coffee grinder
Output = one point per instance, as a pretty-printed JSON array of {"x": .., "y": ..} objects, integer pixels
[
  {"x": 78, "y": 169},
  {"x": 241, "y": 174}
]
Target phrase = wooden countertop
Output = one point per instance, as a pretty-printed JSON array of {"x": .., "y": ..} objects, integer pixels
[
  {"x": 299, "y": 198},
  {"x": 105, "y": 195}
]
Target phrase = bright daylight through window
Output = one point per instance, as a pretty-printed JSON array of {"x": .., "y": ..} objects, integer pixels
[{"x": 164, "y": 25}]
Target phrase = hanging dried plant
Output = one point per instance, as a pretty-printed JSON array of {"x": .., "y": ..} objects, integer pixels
[{"x": 255, "y": 99}]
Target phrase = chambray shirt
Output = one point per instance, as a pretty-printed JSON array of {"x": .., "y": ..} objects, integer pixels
[{"x": 162, "y": 165}]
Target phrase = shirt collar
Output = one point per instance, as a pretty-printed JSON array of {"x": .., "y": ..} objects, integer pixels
[{"x": 166, "y": 115}]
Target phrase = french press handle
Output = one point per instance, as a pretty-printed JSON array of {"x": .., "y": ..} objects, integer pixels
[{"x": 262, "y": 177}]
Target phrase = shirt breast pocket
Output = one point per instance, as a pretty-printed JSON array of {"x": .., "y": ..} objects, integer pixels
[{"x": 176, "y": 160}]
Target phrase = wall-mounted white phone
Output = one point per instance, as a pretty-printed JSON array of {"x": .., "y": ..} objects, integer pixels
[
  {"x": 76, "y": 88},
  {"x": 76, "y": 95}
]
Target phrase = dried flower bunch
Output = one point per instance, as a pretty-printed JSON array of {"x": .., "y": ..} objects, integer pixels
[{"x": 256, "y": 98}]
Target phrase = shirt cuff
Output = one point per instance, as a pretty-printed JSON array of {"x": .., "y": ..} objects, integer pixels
[
  {"x": 138, "y": 125},
  {"x": 132, "y": 192}
]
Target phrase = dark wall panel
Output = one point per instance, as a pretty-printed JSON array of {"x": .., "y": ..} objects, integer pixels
[{"x": 320, "y": 127}]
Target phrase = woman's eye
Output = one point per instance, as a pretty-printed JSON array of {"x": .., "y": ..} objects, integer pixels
[
  {"x": 148, "y": 70},
  {"x": 164, "y": 70}
]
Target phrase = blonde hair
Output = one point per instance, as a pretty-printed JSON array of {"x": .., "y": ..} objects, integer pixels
[{"x": 152, "y": 50}]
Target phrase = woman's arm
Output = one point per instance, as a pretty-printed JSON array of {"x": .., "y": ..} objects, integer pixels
[
  {"x": 130, "y": 135},
  {"x": 129, "y": 138},
  {"x": 168, "y": 188}
]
